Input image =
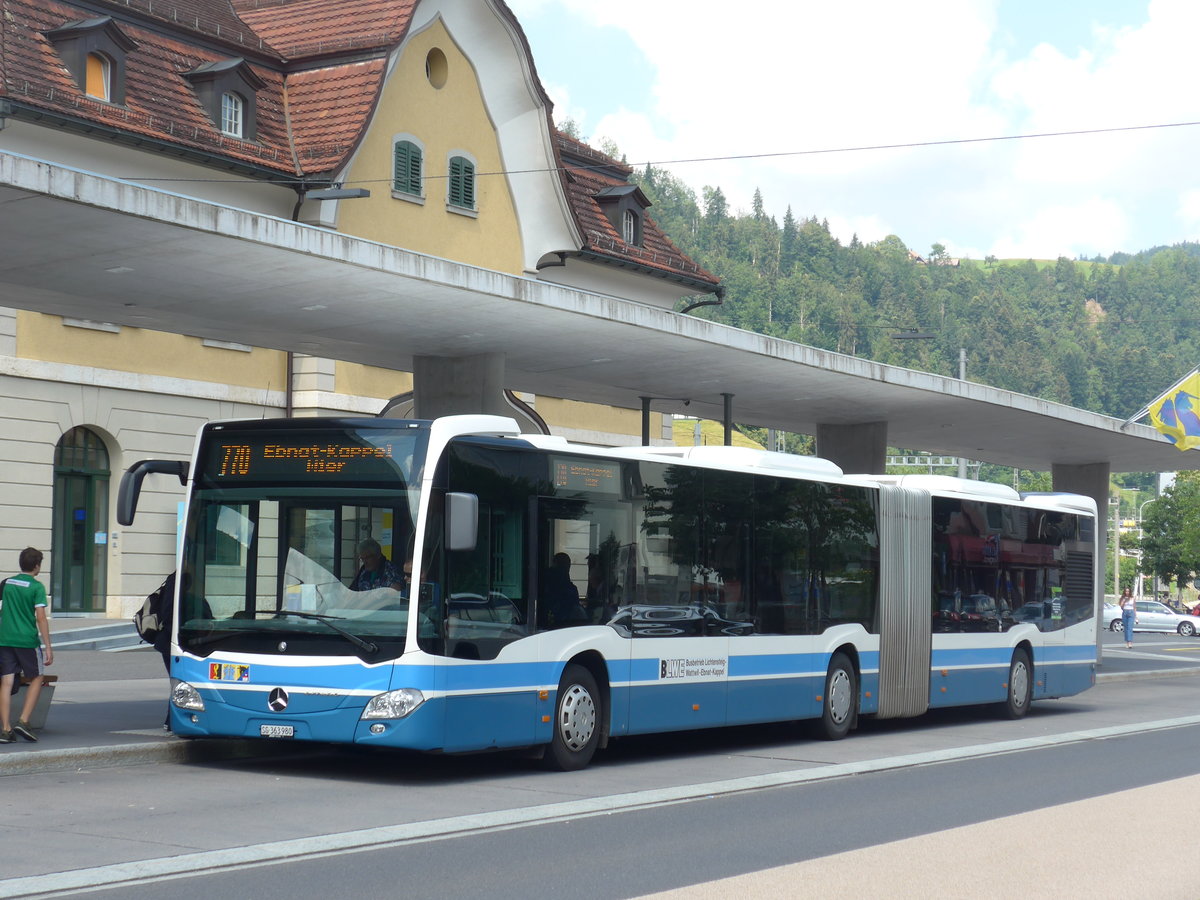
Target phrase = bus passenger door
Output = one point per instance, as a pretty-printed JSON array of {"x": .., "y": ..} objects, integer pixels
[
  {"x": 585, "y": 564},
  {"x": 490, "y": 672}
]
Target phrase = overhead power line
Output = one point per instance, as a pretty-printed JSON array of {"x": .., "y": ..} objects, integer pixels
[{"x": 907, "y": 145}]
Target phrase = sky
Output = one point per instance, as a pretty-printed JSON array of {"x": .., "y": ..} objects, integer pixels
[{"x": 764, "y": 83}]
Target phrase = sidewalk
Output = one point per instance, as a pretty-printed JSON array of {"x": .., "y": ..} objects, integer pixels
[
  {"x": 108, "y": 710},
  {"x": 109, "y": 706}
]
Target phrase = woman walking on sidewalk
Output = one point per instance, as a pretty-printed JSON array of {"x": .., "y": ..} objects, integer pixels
[{"x": 1128, "y": 615}]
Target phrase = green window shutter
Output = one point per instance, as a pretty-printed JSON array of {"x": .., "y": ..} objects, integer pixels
[
  {"x": 406, "y": 175},
  {"x": 462, "y": 183}
]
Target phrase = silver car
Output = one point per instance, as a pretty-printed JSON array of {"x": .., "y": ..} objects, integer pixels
[{"x": 1153, "y": 616}]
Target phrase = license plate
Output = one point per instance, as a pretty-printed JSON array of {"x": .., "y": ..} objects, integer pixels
[{"x": 278, "y": 731}]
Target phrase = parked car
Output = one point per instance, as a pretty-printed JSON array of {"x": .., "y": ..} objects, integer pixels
[{"x": 1153, "y": 616}]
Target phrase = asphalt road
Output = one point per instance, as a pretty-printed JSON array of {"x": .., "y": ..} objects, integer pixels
[
  {"x": 667, "y": 846},
  {"x": 672, "y": 811}
]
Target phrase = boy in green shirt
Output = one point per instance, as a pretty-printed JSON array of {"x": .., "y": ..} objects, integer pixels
[{"x": 23, "y": 627}]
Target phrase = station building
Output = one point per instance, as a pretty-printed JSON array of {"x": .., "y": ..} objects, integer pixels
[{"x": 421, "y": 125}]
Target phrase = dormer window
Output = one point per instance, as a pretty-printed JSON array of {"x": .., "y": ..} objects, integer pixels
[
  {"x": 226, "y": 89},
  {"x": 94, "y": 51},
  {"x": 98, "y": 80},
  {"x": 232, "y": 106},
  {"x": 625, "y": 207},
  {"x": 631, "y": 228}
]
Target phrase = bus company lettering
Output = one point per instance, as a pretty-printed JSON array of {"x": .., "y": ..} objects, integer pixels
[{"x": 692, "y": 668}]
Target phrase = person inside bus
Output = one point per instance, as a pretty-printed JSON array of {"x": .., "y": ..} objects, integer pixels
[
  {"x": 375, "y": 569},
  {"x": 560, "y": 597}
]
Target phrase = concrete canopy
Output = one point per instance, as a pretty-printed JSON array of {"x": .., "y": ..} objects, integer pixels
[{"x": 85, "y": 246}]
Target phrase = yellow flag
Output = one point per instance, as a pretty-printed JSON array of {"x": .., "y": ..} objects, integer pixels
[{"x": 1176, "y": 414}]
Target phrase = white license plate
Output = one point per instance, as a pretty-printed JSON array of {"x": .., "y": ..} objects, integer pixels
[{"x": 276, "y": 731}]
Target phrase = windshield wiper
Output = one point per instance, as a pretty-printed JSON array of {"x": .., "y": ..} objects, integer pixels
[{"x": 367, "y": 646}]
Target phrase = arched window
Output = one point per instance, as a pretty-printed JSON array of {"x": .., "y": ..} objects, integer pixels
[
  {"x": 78, "y": 577},
  {"x": 406, "y": 177},
  {"x": 631, "y": 231},
  {"x": 231, "y": 114},
  {"x": 462, "y": 182},
  {"x": 98, "y": 79}
]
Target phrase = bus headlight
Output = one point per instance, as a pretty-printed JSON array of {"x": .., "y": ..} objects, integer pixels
[
  {"x": 393, "y": 704},
  {"x": 185, "y": 696}
]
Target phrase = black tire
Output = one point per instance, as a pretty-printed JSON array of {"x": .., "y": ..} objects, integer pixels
[
  {"x": 1020, "y": 686},
  {"x": 1117, "y": 625},
  {"x": 839, "y": 704},
  {"x": 577, "y": 718},
  {"x": 1187, "y": 629}
]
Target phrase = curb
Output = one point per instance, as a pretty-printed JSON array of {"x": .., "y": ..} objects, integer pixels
[
  {"x": 1142, "y": 674},
  {"x": 172, "y": 750}
]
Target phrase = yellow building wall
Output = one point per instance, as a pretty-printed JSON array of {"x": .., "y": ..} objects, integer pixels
[
  {"x": 446, "y": 119},
  {"x": 370, "y": 381},
  {"x": 144, "y": 352},
  {"x": 591, "y": 417}
]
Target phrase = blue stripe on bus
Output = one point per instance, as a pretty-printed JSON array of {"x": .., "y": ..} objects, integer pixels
[
  {"x": 760, "y": 688},
  {"x": 971, "y": 656},
  {"x": 1068, "y": 653}
]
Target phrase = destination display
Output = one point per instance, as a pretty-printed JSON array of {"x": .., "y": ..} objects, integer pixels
[
  {"x": 276, "y": 455},
  {"x": 593, "y": 476}
]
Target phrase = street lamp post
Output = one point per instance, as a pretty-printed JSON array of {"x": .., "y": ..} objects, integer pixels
[
  {"x": 1116, "y": 505},
  {"x": 1141, "y": 555},
  {"x": 962, "y": 376}
]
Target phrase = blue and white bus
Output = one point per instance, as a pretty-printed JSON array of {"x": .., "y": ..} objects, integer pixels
[{"x": 544, "y": 594}]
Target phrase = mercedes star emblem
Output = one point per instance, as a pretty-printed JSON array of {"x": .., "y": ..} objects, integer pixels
[{"x": 278, "y": 700}]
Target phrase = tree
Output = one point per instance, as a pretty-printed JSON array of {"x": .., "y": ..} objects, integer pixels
[
  {"x": 716, "y": 207},
  {"x": 1171, "y": 531}
]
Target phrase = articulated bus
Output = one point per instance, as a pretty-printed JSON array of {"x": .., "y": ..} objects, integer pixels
[{"x": 539, "y": 594}]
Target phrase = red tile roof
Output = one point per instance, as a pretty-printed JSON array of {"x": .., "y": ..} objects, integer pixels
[
  {"x": 328, "y": 104},
  {"x": 322, "y": 64},
  {"x": 587, "y": 172},
  {"x": 304, "y": 28}
]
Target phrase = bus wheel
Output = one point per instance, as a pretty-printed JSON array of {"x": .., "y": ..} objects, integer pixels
[
  {"x": 841, "y": 699},
  {"x": 1020, "y": 686},
  {"x": 576, "y": 721}
]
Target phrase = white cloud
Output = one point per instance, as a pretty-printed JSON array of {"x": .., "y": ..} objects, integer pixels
[
  {"x": 868, "y": 228},
  {"x": 1188, "y": 213},
  {"x": 1095, "y": 226},
  {"x": 768, "y": 77}
]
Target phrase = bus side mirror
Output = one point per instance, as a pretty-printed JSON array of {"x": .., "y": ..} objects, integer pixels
[
  {"x": 462, "y": 521},
  {"x": 131, "y": 483}
]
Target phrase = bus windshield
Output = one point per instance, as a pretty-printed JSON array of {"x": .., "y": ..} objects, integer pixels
[{"x": 301, "y": 542}]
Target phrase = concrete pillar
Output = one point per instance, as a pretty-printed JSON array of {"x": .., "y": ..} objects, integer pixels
[
  {"x": 859, "y": 449},
  {"x": 464, "y": 385},
  {"x": 458, "y": 385},
  {"x": 1091, "y": 480}
]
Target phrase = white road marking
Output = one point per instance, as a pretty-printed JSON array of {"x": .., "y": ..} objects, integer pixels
[{"x": 275, "y": 852}]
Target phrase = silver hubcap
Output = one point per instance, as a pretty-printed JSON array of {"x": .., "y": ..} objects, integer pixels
[
  {"x": 1020, "y": 684},
  {"x": 576, "y": 718},
  {"x": 840, "y": 698}
]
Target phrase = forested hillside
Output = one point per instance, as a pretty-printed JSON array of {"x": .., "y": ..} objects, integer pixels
[{"x": 1104, "y": 335}]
